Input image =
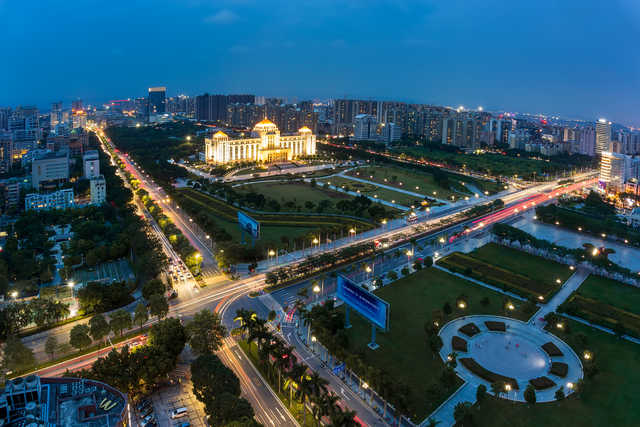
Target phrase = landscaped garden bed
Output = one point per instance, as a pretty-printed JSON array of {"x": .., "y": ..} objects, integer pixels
[
  {"x": 542, "y": 383},
  {"x": 459, "y": 344},
  {"x": 470, "y": 329},
  {"x": 552, "y": 350},
  {"x": 485, "y": 374},
  {"x": 559, "y": 369},
  {"x": 590, "y": 308},
  {"x": 495, "y": 326}
]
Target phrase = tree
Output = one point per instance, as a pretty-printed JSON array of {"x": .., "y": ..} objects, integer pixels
[
  {"x": 462, "y": 413},
  {"x": 530, "y": 395},
  {"x": 436, "y": 316},
  {"x": 228, "y": 408},
  {"x": 452, "y": 359},
  {"x": 579, "y": 387},
  {"x": 619, "y": 329},
  {"x": 559, "y": 396},
  {"x": 98, "y": 327},
  {"x": 481, "y": 393},
  {"x": 446, "y": 309},
  {"x": 64, "y": 348},
  {"x": 435, "y": 344},
  {"x": 582, "y": 341},
  {"x": 16, "y": 355},
  {"x": 485, "y": 302},
  {"x": 527, "y": 309},
  {"x": 51, "y": 346},
  {"x": 417, "y": 265},
  {"x": 448, "y": 377},
  {"x": 211, "y": 378},
  {"x": 153, "y": 287},
  {"x": 405, "y": 271},
  {"x": 158, "y": 306},
  {"x": 205, "y": 332},
  {"x": 432, "y": 391},
  {"x": 170, "y": 334},
  {"x": 151, "y": 362},
  {"x": 120, "y": 320},
  {"x": 590, "y": 371},
  {"x": 140, "y": 316},
  {"x": 79, "y": 337},
  {"x": 392, "y": 275},
  {"x": 497, "y": 388},
  {"x": 506, "y": 303}
]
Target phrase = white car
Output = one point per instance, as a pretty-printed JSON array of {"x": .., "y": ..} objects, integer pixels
[{"x": 147, "y": 420}]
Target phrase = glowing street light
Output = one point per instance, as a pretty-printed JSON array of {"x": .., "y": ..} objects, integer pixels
[{"x": 316, "y": 289}]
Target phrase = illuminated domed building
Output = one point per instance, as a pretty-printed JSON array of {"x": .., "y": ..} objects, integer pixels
[{"x": 266, "y": 145}]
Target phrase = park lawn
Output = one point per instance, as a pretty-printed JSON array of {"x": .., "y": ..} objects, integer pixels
[
  {"x": 496, "y": 163},
  {"x": 255, "y": 169},
  {"x": 610, "y": 399},
  {"x": 385, "y": 194},
  {"x": 535, "y": 267},
  {"x": 613, "y": 292},
  {"x": 403, "y": 352},
  {"x": 409, "y": 180}
]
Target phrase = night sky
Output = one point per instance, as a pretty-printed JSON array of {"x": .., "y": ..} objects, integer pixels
[{"x": 573, "y": 58}]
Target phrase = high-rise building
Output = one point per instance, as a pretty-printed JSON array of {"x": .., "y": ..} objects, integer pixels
[
  {"x": 389, "y": 133},
  {"x": 56, "y": 106},
  {"x": 91, "y": 165},
  {"x": 157, "y": 100},
  {"x": 50, "y": 171},
  {"x": 365, "y": 128},
  {"x": 603, "y": 136},
  {"x": 616, "y": 169},
  {"x": 6, "y": 151},
  {"x": 588, "y": 140},
  {"x": 27, "y": 110},
  {"x": 5, "y": 115},
  {"x": 58, "y": 116},
  {"x": 79, "y": 119},
  {"x": 76, "y": 105}
]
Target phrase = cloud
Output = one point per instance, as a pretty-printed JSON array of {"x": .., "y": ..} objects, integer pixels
[{"x": 223, "y": 17}]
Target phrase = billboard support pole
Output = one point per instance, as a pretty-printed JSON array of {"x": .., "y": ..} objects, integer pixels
[
  {"x": 346, "y": 323},
  {"x": 243, "y": 237},
  {"x": 372, "y": 345}
]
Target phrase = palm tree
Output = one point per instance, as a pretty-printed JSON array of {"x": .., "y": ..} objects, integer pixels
[
  {"x": 413, "y": 242},
  {"x": 305, "y": 388},
  {"x": 301, "y": 311},
  {"x": 306, "y": 318},
  {"x": 352, "y": 362},
  {"x": 318, "y": 407},
  {"x": 345, "y": 418},
  {"x": 268, "y": 349},
  {"x": 247, "y": 320},
  {"x": 374, "y": 376},
  {"x": 295, "y": 374},
  {"x": 432, "y": 422},
  {"x": 284, "y": 359},
  {"x": 401, "y": 406},
  {"x": 372, "y": 258},
  {"x": 323, "y": 277},
  {"x": 318, "y": 383},
  {"x": 304, "y": 292},
  {"x": 386, "y": 391},
  {"x": 314, "y": 283},
  {"x": 258, "y": 333},
  {"x": 331, "y": 406}
]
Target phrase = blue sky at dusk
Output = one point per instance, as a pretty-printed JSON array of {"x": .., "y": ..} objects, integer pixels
[{"x": 549, "y": 57}]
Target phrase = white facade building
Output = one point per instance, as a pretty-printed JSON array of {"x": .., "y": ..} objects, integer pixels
[
  {"x": 91, "y": 165},
  {"x": 265, "y": 145},
  {"x": 31, "y": 155},
  {"x": 365, "y": 128},
  {"x": 98, "y": 190},
  {"x": 390, "y": 132},
  {"x": 60, "y": 199},
  {"x": 616, "y": 169}
]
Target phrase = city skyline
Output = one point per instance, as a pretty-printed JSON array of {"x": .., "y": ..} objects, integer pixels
[{"x": 316, "y": 51}]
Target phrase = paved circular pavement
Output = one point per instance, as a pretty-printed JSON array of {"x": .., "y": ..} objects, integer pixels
[{"x": 504, "y": 355}]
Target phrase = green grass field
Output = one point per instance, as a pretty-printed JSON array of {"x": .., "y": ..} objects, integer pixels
[
  {"x": 404, "y": 353},
  {"x": 532, "y": 266},
  {"x": 381, "y": 193},
  {"x": 407, "y": 180},
  {"x": 610, "y": 399},
  {"x": 497, "y": 164},
  {"x": 613, "y": 292}
]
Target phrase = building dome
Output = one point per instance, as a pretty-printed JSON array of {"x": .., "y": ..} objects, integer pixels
[
  {"x": 219, "y": 134},
  {"x": 265, "y": 124},
  {"x": 304, "y": 129}
]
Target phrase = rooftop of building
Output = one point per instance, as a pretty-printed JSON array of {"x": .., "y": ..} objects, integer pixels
[{"x": 68, "y": 402}]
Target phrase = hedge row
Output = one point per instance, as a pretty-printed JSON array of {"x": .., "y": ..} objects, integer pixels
[
  {"x": 559, "y": 369},
  {"x": 552, "y": 350},
  {"x": 459, "y": 344},
  {"x": 496, "y": 326},
  {"x": 486, "y": 375},
  {"x": 611, "y": 315}
]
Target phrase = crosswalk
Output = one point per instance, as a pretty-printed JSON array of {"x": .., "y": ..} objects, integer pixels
[
  {"x": 181, "y": 371},
  {"x": 286, "y": 296},
  {"x": 211, "y": 278}
]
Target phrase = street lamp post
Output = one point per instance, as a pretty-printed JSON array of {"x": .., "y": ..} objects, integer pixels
[
  {"x": 508, "y": 387},
  {"x": 384, "y": 222},
  {"x": 313, "y": 340},
  {"x": 409, "y": 254},
  {"x": 271, "y": 254},
  {"x": 315, "y": 242},
  {"x": 316, "y": 289},
  {"x": 368, "y": 270},
  {"x": 352, "y": 231}
]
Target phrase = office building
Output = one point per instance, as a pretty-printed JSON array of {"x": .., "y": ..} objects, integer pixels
[
  {"x": 501, "y": 127},
  {"x": 157, "y": 100},
  {"x": 5, "y": 115},
  {"x": 70, "y": 402},
  {"x": 142, "y": 106},
  {"x": 76, "y": 105},
  {"x": 603, "y": 136},
  {"x": 79, "y": 119},
  {"x": 10, "y": 193},
  {"x": 215, "y": 107},
  {"x": 26, "y": 111},
  {"x": 98, "y": 190},
  {"x": 24, "y": 128},
  {"x": 588, "y": 140},
  {"x": 616, "y": 169},
  {"x": 50, "y": 171},
  {"x": 31, "y": 155},
  {"x": 91, "y": 164},
  {"x": 365, "y": 128},
  {"x": 60, "y": 199},
  {"x": 488, "y": 137},
  {"x": 265, "y": 145},
  {"x": 389, "y": 132}
]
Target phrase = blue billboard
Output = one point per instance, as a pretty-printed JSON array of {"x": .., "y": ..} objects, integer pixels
[
  {"x": 248, "y": 224},
  {"x": 364, "y": 302}
]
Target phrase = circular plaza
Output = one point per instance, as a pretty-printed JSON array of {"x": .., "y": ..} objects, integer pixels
[{"x": 493, "y": 348}]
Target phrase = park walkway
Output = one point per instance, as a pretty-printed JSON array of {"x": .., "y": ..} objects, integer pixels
[{"x": 399, "y": 190}]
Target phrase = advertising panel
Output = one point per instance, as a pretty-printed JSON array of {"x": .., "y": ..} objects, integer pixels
[
  {"x": 364, "y": 302},
  {"x": 248, "y": 224}
]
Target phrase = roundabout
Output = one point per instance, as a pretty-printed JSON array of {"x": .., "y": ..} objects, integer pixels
[{"x": 492, "y": 348}]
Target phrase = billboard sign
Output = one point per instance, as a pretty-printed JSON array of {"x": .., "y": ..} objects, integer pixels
[
  {"x": 364, "y": 302},
  {"x": 248, "y": 224},
  {"x": 339, "y": 369}
]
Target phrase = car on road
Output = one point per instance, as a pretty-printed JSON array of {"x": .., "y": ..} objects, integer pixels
[
  {"x": 175, "y": 278},
  {"x": 144, "y": 403},
  {"x": 147, "y": 421}
]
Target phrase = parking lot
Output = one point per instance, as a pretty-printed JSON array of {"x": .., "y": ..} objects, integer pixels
[{"x": 171, "y": 397}]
